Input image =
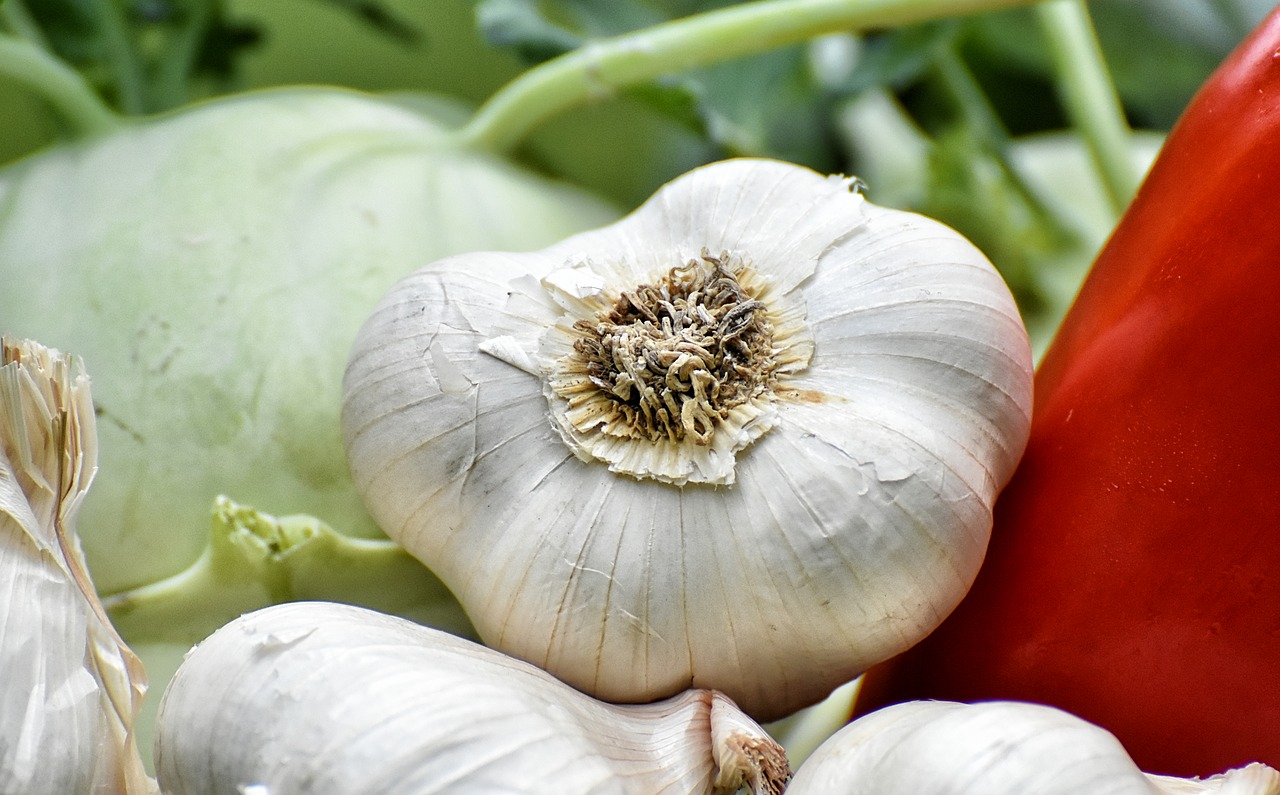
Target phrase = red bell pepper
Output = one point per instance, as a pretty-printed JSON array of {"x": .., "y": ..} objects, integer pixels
[{"x": 1133, "y": 576}]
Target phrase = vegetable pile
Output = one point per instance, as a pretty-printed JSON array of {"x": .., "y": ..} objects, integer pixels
[{"x": 682, "y": 421}]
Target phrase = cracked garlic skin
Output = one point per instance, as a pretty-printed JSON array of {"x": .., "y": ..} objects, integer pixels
[
  {"x": 993, "y": 748},
  {"x": 316, "y": 697},
  {"x": 747, "y": 438},
  {"x": 70, "y": 689}
]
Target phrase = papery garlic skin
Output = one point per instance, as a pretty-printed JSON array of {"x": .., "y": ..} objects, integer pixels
[
  {"x": 829, "y": 530},
  {"x": 1252, "y": 779},
  {"x": 321, "y": 697},
  {"x": 70, "y": 689},
  {"x": 992, "y": 748}
]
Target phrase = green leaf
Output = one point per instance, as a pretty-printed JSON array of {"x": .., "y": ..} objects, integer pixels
[
  {"x": 146, "y": 56},
  {"x": 1158, "y": 52},
  {"x": 521, "y": 26},
  {"x": 769, "y": 104},
  {"x": 377, "y": 16},
  {"x": 898, "y": 57}
]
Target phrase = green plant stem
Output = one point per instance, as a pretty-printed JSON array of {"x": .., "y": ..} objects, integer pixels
[
  {"x": 58, "y": 84},
  {"x": 255, "y": 559},
  {"x": 970, "y": 99},
  {"x": 18, "y": 20},
  {"x": 599, "y": 68},
  {"x": 197, "y": 600},
  {"x": 1089, "y": 96},
  {"x": 981, "y": 118},
  {"x": 180, "y": 59},
  {"x": 891, "y": 150},
  {"x": 122, "y": 57}
]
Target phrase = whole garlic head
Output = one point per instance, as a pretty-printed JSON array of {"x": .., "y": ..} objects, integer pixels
[
  {"x": 315, "y": 697},
  {"x": 745, "y": 439},
  {"x": 993, "y": 748}
]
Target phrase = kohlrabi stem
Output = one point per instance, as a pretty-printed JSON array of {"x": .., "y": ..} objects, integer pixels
[
  {"x": 1089, "y": 96},
  {"x": 255, "y": 559},
  {"x": 58, "y": 84},
  {"x": 216, "y": 588},
  {"x": 600, "y": 67}
]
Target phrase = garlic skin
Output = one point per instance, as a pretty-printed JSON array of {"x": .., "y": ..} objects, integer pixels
[
  {"x": 772, "y": 545},
  {"x": 315, "y": 697},
  {"x": 70, "y": 689},
  {"x": 1254, "y": 778},
  {"x": 993, "y": 748}
]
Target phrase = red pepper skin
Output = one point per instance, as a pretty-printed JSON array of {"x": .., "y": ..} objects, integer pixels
[{"x": 1133, "y": 576}]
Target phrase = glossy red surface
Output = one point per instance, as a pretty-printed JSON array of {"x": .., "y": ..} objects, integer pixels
[{"x": 1134, "y": 571}]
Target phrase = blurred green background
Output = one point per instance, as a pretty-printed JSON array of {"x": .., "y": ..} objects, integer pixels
[
  {"x": 960, "y": 119},
  {"x": 148, "y": 56}
]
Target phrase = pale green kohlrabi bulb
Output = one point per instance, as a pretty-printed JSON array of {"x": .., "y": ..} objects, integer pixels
[{"x": 212, "y": 268}]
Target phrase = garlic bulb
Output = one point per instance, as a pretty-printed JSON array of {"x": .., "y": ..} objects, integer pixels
[
  {"x": 993, "y": 748},
  {"x": 745, "y": 439},
  {"x": 314, "y": 697},
  {"x": 70, "y": 688}
]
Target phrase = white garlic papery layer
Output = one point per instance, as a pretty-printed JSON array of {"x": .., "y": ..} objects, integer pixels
[
  {"x": 745, "y": 439},
  {"x": 318, "y": 697},
  {"x": 993, "y": 748},
  {"x": 70, "y": 688}
]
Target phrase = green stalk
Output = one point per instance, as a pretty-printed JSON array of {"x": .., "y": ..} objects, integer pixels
[
  {"x": 255, "y": 559},
  {"x": 970, "y": 100},
  {"x": 122, "y": 57},
  {"x": 180, "y": 58},
  {"x": 601, "y": 67},
  {"x": 18, "y": 20},
  {"x": 1089, "y": 96},
  {"x": 980, "y": 117},
  {"x": 56, "y": 83}
]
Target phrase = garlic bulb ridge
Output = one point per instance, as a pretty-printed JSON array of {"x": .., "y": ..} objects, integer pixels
[
  {"x": 747, "y": 438},
  {"x": 322, "y": 697}
]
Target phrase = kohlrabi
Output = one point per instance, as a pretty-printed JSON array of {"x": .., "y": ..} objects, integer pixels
[{"x": 212, "y": 267}]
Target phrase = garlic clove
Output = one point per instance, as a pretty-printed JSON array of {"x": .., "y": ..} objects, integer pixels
[
  {"x": 322, "y": 697},
  {"x": 821, "y": 517},
  {"x": 992, "y": 748},
  {"x": 70, "y": 688}
]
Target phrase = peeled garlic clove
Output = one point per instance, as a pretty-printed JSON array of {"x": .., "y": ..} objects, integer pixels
[
  {"x": 747, "y": 438},
  {"x": 322, "y": 697},
  {"x": 70, "y": 689},
  {"x": 992, "y": 748}
]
